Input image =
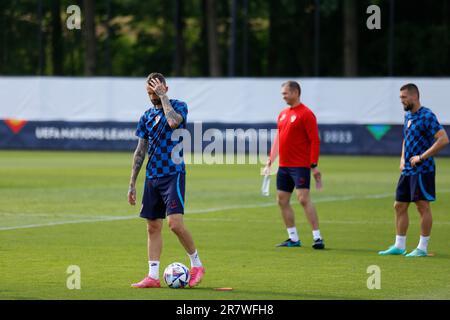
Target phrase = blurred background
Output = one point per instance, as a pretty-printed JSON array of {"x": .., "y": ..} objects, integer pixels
[
  {"x": 82, "y": 88},
  {"x": 221, "y": 38}
]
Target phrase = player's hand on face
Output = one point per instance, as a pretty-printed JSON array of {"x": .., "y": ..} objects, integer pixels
[
  {"x": 158, "y": 87},
  {"x": 415, "y": 161},
  {"x": 132, "y": 196},
  {"x": 148, "y": 88}
]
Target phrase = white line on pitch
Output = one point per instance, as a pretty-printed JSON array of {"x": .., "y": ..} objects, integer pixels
[{"x": 199, "y": 211}]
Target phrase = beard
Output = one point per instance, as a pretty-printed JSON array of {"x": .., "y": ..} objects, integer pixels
[
  {"x": 408, "y": 107},
  {"x": 156, "y": 102}
]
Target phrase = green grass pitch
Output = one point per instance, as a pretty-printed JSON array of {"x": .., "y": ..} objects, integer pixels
[{"x": 69, "y": 208}]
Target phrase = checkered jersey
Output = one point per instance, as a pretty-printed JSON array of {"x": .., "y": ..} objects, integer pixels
[
  {"x": 418, "y": 132},
  {"x": 153, "y": 127}
]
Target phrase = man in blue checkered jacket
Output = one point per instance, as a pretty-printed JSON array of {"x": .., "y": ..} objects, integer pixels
[
  {"x": 423, "y": 137},
  {"x": 165, "y": 178}
]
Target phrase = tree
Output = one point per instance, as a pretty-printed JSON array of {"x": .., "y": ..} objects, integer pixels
[
  {"x": 350, "y": 45},
  {"x": 213, "y": 46},
  {"x": 57, "y": 50},
  {"x": 179, "y": 41},
  {"x": 89, "y": 37},
  {"x": 274, "y": 30}
]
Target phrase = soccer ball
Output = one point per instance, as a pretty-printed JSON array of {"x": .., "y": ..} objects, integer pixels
[{"x": 176, "y": 275}]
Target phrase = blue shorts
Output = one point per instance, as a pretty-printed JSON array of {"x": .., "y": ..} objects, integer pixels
[
  {"x": 417, "y": 187},
  {"x": 290, "y": 177},
  {"x": 163, "y": 196}
]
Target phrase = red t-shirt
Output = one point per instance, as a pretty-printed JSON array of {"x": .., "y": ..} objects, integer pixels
[{"x": 299, "y": 143}]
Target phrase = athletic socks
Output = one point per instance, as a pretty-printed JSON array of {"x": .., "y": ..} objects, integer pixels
[
  {"x": 316, "y": 234},
  {"x": 423, "y": 243},
  {"x": 153, "y": 266},
  {"x": 292, "y": 233},
  {"x": 153, "y": 269},
  {"x": 195, "y": 260},
  {"x": 400, "y": 242}
]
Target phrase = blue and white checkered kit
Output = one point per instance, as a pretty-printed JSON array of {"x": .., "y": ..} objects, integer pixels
[
  {"x": 418, "y": 132},
  {"x": 153, "y": 127}
]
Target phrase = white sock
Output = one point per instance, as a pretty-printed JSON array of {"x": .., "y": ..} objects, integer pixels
[
  {"x": 423, "y": 243},
  {"x": 292, "y": 233},
  {"x": 195, "y": 260},
  {"x": 400, "y": 242},
  {"x": 316, "y": 234},
  {"x": 153, "y": 269}
]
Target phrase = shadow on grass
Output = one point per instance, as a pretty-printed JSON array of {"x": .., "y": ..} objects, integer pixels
[
  {"x": 374, "y": 252},
  {"x": 334, "y": 250},
  {"x": 356, "y": 250}
]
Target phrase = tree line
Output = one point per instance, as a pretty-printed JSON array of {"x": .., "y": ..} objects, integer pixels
[{"x": 225, "y": 38}]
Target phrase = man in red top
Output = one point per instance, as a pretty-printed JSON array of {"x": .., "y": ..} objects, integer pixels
[{"x": 298, "y": 145}]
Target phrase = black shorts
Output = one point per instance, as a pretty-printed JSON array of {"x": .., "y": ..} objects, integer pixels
[
  {"x": 417, "y": 187},
  {"x": 290, "y": 177},
  {"x": 163, "y": 196}
]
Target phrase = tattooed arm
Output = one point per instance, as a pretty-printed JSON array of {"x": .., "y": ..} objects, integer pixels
[
  {"x": 138, "y": 160},
  {"x": 173, "y": 118}
]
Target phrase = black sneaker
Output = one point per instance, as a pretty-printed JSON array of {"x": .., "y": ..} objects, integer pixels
[
  {"x": 290, "y": 243},
  {"x": 318, "y": 244}
]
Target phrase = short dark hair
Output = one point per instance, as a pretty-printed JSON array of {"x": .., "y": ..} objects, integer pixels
[
  {"x": 411, "y": 87},
  {"x": 293, "y": 85},
  {"x": 156, "y": 75}
]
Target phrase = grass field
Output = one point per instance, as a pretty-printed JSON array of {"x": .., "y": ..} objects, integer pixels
[{"x": 66, "y": 208}]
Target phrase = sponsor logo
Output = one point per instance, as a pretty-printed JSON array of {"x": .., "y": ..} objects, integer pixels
[
  {"x": 15, "y": 124},
  {"x": 378, "y": 131}
]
